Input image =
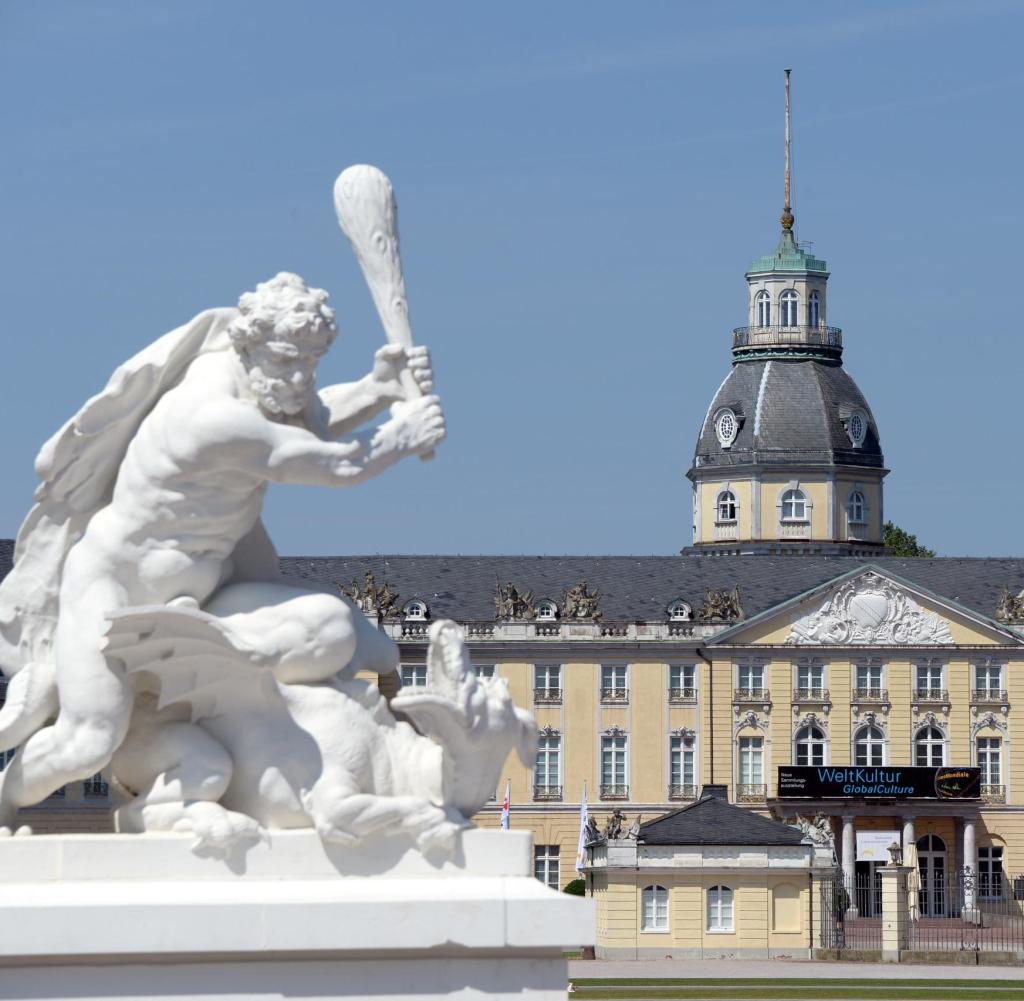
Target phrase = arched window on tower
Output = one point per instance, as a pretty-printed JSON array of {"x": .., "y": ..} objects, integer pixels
[
  {"x": 869, "y": 746},
  {"x": 810, "y": 746},
  {"x": 788, "y": 304},
  {"x": 857, "y": 508},
  {"x": 794, "y": 506},
  {"x": 763, "y": 303},
  {"x": 726, "y": 506},
  {"x": 814, "y": 309},
  {"x": 929, "y": 747}
]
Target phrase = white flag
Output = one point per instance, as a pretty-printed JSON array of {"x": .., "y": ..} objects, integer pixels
[
  {"x": 506, "y": 804},
  {"x": 581, "y": 849}
]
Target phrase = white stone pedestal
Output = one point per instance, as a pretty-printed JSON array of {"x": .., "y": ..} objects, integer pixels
[{"x": 132, "y": 916}]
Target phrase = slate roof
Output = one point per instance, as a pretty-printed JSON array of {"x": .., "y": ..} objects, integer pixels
[
  {"x": 713, "y": 821},
  {"x": 638, "y": 588},
  {"x": 801, "y": 406}
]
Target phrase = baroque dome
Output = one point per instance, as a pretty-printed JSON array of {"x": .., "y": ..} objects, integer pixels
[{"x": 789, "y": 413}]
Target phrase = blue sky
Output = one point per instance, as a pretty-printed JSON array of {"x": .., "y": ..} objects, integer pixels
[{"x": 582, "y": 186}]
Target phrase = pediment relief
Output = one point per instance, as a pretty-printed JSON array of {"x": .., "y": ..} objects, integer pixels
[{"x": 870, "y": 611}]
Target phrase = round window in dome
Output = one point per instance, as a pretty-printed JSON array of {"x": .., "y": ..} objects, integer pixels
[
  {"x": 857, "y": 428},
  {"x": 726, "y": 427}
]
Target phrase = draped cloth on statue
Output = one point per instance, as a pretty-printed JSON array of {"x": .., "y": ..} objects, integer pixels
[{"x": 78, "y": 467}]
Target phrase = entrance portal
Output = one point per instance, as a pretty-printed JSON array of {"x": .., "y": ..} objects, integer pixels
[{"x": 868, "y": 893}]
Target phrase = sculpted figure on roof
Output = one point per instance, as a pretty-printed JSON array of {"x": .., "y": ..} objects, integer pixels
[{"x": 146, "y": 615}]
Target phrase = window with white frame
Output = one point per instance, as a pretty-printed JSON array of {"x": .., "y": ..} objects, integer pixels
[
  {"x": 857, "y": 508},
  {"x": 680, "y": 611},
  {"x": 794, "y": 505},
  {"x": 415, "y": 610},
  {"x": 682, "y": 682},
  {"x": 750, "y": 679},
  {"x": 654, "y": 908},
  {"x": 810, "y": 745},
  {"x": 5, "y": 758},
  {"x": 810, "y": 680},
  {"x": 751, "y": 755},
  {"x": 788, "y": 303},
  {"x": 869, "y": 746},
  {"x": 814, "y": 309},
  {"x": 870, "y": 681},
  {"x": 990, "y": 761},
  {"x": 414, "y": 675},
  {"x": 547, "y": 682},
  {"x": 483, "y": 670},
  {"x": 720, "y": 909},
  {"x": 726, "y": 506},
  {"x": 928, "y": 681},
  {"x": 614, "y": 683},
  {"x": 988, "y": 682},
  {"x": 545, "y": 864},
  {"x": 681, "y": 768},
  {"x": 990, "y": 872},
  {"x": 763, "y": 302},
  {"x": 546, "y": 610},
  {"x": 547, "y": 770},
  {"x": 614, "y": 765},
  {"x": 929, "y": 747}
]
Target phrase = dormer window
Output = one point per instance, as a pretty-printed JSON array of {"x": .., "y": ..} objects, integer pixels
[
  {"x": 546, "y": 611},
  {"x": 726, "y": 506},
  {"x": 679, "y": 611},
  {"x": 416, "y": 610},
  {"x": 763, "y": 308},
  {"x": 814, "y": 309},
  {"x": 788, "y": 303},
  {"x": 726, "y": 427},
  {"x": 857, "y": 427}
]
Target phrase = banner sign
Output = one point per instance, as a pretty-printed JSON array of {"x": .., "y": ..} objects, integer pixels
[
  {"x": 873, "y": 846},
  {"x": 889, "y": 782}
]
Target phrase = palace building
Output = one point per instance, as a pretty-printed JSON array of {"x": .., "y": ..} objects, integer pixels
[{"x": 784, "y": 659}]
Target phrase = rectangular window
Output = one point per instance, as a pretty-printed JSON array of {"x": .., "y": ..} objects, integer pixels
[
  {"x": 752, "y": 761},
  {"x": 545, "y": 864},
  {"x": 682, "y": 682},
  {"x": 929, "y": 680},
  {"x": 720, "y": 909},
  {"x": 990, "y": 873},
  {"x": 483, "y": 670},
  {"x": 990, "y": 761},
  {"x": 547, "y": 771},
  {"x": 751, "y": 679},
  {"x": 414, "y": 675},
  {"x": 613, "y": 683},
  {"x": 613, "y": 767},
  {"x": 654, "y": 909},
  {"x": 810, "y": 681},
  {"x": 5, "y": 757},
  {"x": 869, "y": 681},
  {"x": 547, "y": 683},
  {"x": 681, "y": 769},
  {"x": 988, "y": 682}
]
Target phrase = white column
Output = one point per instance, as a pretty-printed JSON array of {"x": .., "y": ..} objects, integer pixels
[
  {"x": 970, "y": 868},
  {"x": 849, "y": 864}
]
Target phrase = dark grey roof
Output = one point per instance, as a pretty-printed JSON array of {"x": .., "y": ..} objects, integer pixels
[
  {"x": 638, "y": 587},
  {"x": 802, "y": 405},
  {"x": 641, "y": 587},
  {"x": 713, "y": 821}
]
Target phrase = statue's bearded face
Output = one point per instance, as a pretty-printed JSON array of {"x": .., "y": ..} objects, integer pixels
[
  {"x": 282, "y": 331},
  {"x": 282, "y": 376}
]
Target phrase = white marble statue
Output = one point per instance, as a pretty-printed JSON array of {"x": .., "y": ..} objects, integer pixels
[{"x": 146, "y": 617}]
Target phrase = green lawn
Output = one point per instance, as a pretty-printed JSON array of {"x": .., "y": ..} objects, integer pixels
[{"x": 799, "y": 988}]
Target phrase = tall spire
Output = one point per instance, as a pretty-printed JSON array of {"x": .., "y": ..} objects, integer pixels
[{"x": 787, "y": 211}]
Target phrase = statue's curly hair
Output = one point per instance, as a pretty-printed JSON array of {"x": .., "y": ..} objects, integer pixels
[{"x": 283, "y": 309}]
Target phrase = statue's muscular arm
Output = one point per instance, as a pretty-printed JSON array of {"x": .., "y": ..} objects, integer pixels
[{"x": 341, "y": 409}]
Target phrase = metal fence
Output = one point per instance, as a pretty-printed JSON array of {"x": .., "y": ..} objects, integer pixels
[{"x": 959, "y": 911}]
